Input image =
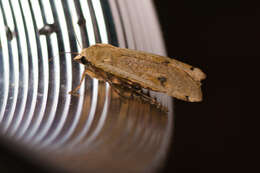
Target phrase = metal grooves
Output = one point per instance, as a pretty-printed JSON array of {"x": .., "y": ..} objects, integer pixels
[{"x": 36, "y": 75}]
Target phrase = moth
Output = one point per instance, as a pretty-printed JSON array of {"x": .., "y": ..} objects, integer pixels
[{"x": 128, "y": 71}]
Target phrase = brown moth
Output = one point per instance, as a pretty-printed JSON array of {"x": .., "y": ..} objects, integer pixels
[{"x": 131, "y": 70}]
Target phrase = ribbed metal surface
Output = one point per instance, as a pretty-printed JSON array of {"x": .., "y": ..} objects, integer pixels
[{"x": 95, "y": 130}]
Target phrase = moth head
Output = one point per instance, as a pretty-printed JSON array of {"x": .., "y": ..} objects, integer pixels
[
  {"x": 81, "y": 59},
  {"x": 84, "y": 57}
]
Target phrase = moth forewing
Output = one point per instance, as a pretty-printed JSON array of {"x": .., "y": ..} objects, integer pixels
[
  {"x": 154, "y": 72},
  {"x": 194, "y": 72}
]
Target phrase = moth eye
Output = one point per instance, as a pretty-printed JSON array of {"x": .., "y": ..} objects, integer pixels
[{"x": 83, "y": 60}]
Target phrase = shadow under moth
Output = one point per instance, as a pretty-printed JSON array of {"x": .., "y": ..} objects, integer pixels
[{"x": 128, "y": 71}]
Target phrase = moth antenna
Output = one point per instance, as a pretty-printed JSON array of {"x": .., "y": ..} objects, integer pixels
[
  {"x": 73, "y": 53},
  {"x": 77, "y": 40}
]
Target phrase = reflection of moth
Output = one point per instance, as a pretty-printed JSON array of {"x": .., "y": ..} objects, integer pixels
[{"x": 128, "y": 71}]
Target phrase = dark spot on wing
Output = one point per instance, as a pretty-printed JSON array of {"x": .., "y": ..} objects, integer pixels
[
  {"x": 166, "y": 62},
  {"x": 187, "y": 98},
  {"x": 162, "y": 79}
]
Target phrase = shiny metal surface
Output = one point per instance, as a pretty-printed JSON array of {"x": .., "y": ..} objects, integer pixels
[{"x": 96, "y": 130}]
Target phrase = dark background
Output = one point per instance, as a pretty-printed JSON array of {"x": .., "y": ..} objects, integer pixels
[
  {"x": 215, "y": 36},
  {"x": 219, "y": 37}
]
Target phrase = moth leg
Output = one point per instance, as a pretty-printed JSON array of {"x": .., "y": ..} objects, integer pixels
[
  {"x": 121, "y": 91},
  {"x": 74, "y": 91},
  {"x": 94, "y": 75},
  {"x": 151, "y": 100},
  {"x": 135, "y": 90},
  {"x": 146, "y": 98}
]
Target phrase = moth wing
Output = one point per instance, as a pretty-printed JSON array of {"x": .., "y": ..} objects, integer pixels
[
  {"x": 151, "y": 71},
  {"x": 182, "y": 85},
  {"x": 194, "y": 72}
]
